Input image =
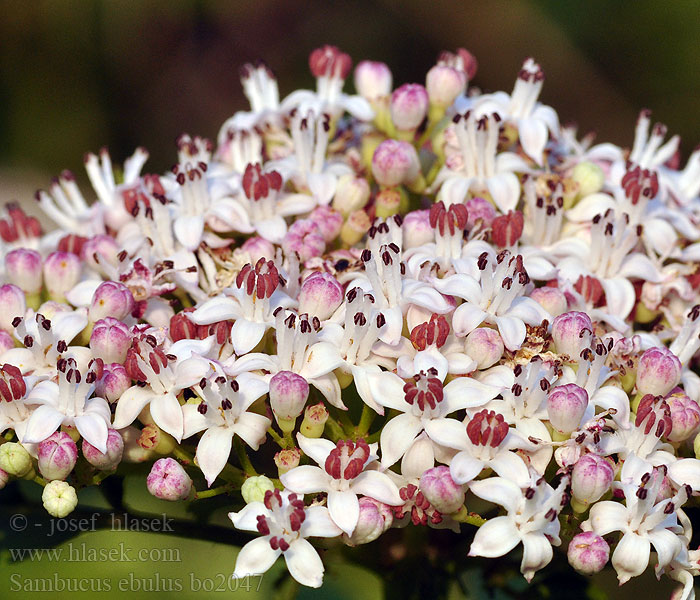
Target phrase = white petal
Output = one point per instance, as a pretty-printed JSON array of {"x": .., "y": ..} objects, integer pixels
[
  {"x": 590, "y": 206},
  {"x": 448, "y": 432},
  {"x": 245, "y": 335},
  {"x": 378, "y": 486},
  {"x": 344, "y": 508},
  {"x": 495, "y": 538},
  {"x": 529, "y": 311},
  {"x": 387, "y": 389},
  {"x": 619, "y": 296},
  {"x": 466, "y": 318},
  {"x": 247, "y": 518},
  {"x": 44, "y": 421},
  {"x": 193, "y": 420},
  {"x": 322, "y": 358},
  {"x": 505, "y": 190},
  {"x": 509, "y": 464},
  {"x": 188, "y": 231},
  {"x": 255, "y": 558},
  {"x": 213, "y": 451},
  {"x": 220, "y": 308},
  {"x": 318, "y": 523},
  {"x": 66, "y": 325},
  {"x": 252, "y": 428},
  {"x": 465, "y": 392},
  {"x": 499, "y": 491},
  {"x": 167, "y": 414},
  {"x": 93, "y": 429},
  {"x": 330, "y": 388},
  {"x": 397, "y": 436},
  {"x": 607, "y": 516},
  {"x": 454, "y": 190},
  {"x": 667, "y": 545},
  {"x": 639, "y": 266},
  {"x": 533, "y": 138},
  {"x": 460, "y": 285},
  {"x": 686, "y": 471},
  {"x": 305, "y": 479},
  {"x": 322, "y": 186},
  {"x": 464, "y": 467},
  {"x": 82, "y": 293},
  {"x": 631, "y": 556},
  {"x": 357, "y": 106},
  {"x": 537, "y": 553},
  {"x": 317, "y": 449},
  {"x": 512, "y": 331},
  {"x": 610, "y": 396},
  {"x": 130, "y": 404},
  {"x": 273, "y": 230},
  {"x": 304, "y": 563}
]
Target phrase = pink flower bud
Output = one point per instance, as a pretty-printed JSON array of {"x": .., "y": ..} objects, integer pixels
[
  {"x": 111, "y": 299},
  {"x": 395, "y": 162},
  {"x": 113, "y": 383},
  {"x": 373, "y": 79},
  {"x": 480, "y": 209},
  {"x": 570, "y": 332},
  {"x": 591, "y": 478},
  {"x": 168, "y": 480},
  {"x": 305, "y": 238},
  {"x": 588, "y": 553},
  {"x": 409, "y": 105},
  {"x": 658, "y": 372},
  {"x": 109, "y": 460},
  {"x": 23, "y": 269},
  {"x": 441, "y": 491},
  {"x": 566, "y": 405},
  {"x": 57, "y": 456},
  {"x": 351, "y": 194},
  {"x": 444, "y": 84},
  {"x": 328, "y": 220},
  {"x": 685, "y": 416},
  {"x": 100, "y": 250},
  {"x": 110, "y": 340},
  {"x": 12, "y": 304},
  {"x": 6, "y": 341},
  {"x": 288, "y": 395},
  {"x": 258, "y": 248},
  {"x": 375, "y": 518},
  {"x": 61, "y": 273},
  {"x": 552, "y": 299},
  {"x": 320, "y": 295},
  {"x": 485, "y": 346},
  {"x": 416, "y": 229}
]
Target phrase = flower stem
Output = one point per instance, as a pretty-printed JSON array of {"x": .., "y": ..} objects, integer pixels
[
  {"x": 243, "y": 458},
  {"x": 472, "y": 518},
  {"x": 366, "y": 420},
  {"x": 217, "y": 491},
  {"x": 276, "y": 436}
]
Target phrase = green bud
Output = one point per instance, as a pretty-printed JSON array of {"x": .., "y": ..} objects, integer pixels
[
  {"x": 589, "y": 177},
  {"x": 15, "y": 460},
  {"x": 254, "y": 488},
  {"x": 59, "y": 499}
]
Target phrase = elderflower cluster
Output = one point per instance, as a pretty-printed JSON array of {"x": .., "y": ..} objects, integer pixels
[{"x": 458, "y": 297}]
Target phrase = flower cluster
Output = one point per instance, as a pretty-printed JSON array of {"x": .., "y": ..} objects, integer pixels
[{"x": 465, "y": 304}]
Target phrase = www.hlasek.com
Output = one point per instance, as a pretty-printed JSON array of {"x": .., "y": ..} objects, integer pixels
[
  {"x": 133, "y": 583},
  {"x": 72, "y": 553}
]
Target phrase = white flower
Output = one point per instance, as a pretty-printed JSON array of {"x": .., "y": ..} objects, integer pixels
[
  {"x": 532, "y": 520},
  {"x": 223, "y": 414},
  {"x": 284, "y": 524},
  {"x": 343, "y": 474}
]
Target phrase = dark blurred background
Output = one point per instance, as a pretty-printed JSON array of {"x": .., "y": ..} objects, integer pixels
[{"x": 78, "y": 75}]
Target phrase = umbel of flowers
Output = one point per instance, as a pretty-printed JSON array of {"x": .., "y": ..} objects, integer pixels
[{"x": 359, "y": 312}]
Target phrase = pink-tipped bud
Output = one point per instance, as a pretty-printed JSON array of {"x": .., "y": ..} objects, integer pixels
[
  {"x": 591, "y": 478},
  {"x": 485, "y": 346},
  {"x": 111, "y": 299},
  {"x": 395, "y": 162},
  {"x": 375, "y": 518},
  {"x": 258, "y": 248},
  {"x": 480, "y": 211},
  {"x": 286, "y": 460},
  {"x": 61, "y": 273},
  {"x": 305, "y": 238},
  {"x": 441, "y": 490},
  {"x": 113, "y": 383},
  {"x": 373, "y": 79},
  {"x": 552, "y": 299},
  {"x": 416, "y": 229},
  {"x": 109, "y": 460},
  {"x": 314, "y": 422},
  {"x": 444, "y": 84},
  {"x": 507, "y": 229},
  {"x": 658, "y": 372},
  {"x": 320, "y": 295},
  {"x": 566, "y": 405},
  {"x": 12, "y": 304},
  {"x": 409, "y": 105},
  {"x": 351, "y": 194},
  {"x": 6, "y": 341},
  {"x": 23, "y": 269},
  {"x": 288, "y": 395},
  {"x": 100, "y": 250},
  {"x": 328, "y": 220},
  {"x": 685, "y": 415},
  {"x": 588, "y": 553},
  {"x": 168, "y": 480},
  {"x": 110, "y": 340},
  {"x": 57, "y": 456},
  {"x": 570, "y": 332}
]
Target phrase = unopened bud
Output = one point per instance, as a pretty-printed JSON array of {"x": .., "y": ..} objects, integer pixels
[
  {"x": 23, "y": 269},
  {"x": 254, "y": 488},
  {"x": 12, "y": 304},
  {"x": 100, "y": 250},
  {"x": 320, "y": 295},
  {"x": 571, "y": 332},
  {"x": 591, "y": 478},
  {"x": 328, "y": 220},
  {"x": 107, "y": 461},
  {"x": 409, "y": 106},
  {"x": 375, "y": 518},
  {"x": 387, "y": 203},
  {"x": 589, "y": 177},
  {"x": 113, "y": 383},
  {"x": 588, "y": 553},
  {"x": 416, "y": 229},
  {"x": 441, "y": 491},
  {"x": 355, "y": 227},
  {"x": 61, "y": 273},
  {"x": 315, "y": 418},
  {"x": 110, "y": 340},
  {"x": 4, "y": 478},
  {"x": 59, "y": 499},
  {"x": 57, "y": 456},
  {"x": 373, "y": 79},
  {"x": 444, "y": 84},
  {"x": 566, "y": 405},
  {"x": 168, "y": 480},
  {"x": 111, "y": 299},
  {"x": 15, "y": 460},
  {"x": 658, "y": 372},
  {"x": 481, "y": 211},
  {"x": 351, "y": 194},
  {"x": 6, "y": 341},
  {"x": 154, "y": 438},
  {"x": 395, "y": 162},
  {"x": 485, "y": 346},
  {"x": 685, "y": 416},
  {"x": 305, "y": 238},
  {"x": 287, "y": 459},
  {"x": 258, "y": 248},
  {"x": 288, "y": 395}
]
